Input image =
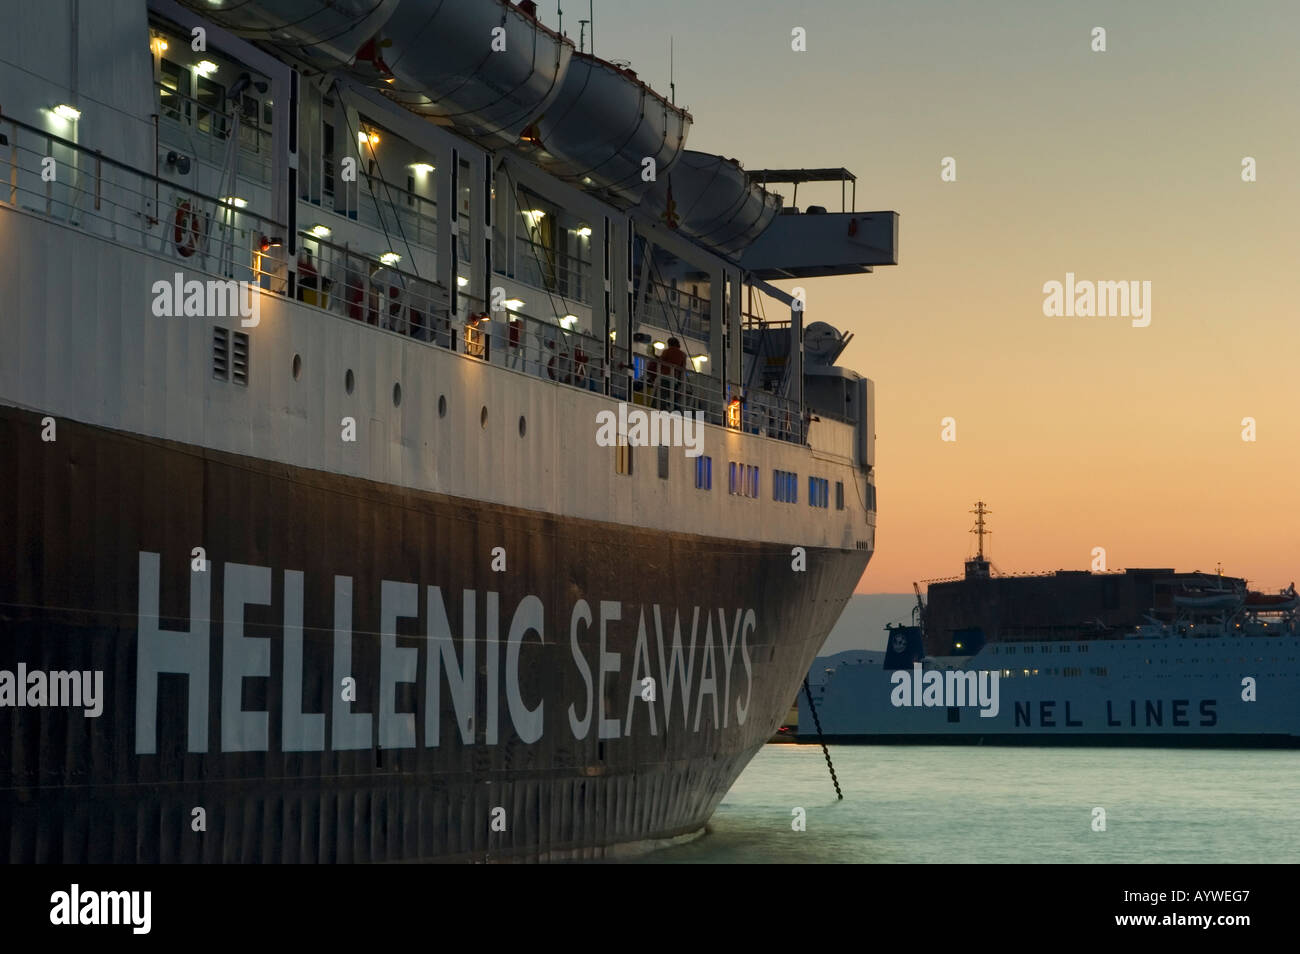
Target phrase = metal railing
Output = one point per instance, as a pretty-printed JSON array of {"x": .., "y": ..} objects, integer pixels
[
  {"x": 676, "y": 311},
  {"x": 348, "y": 283},
  {"x": 203, "y": 132},
  {"x": 113, "y": 200},
  {"x": 564, "y": 276},
  {"x": 403, "y": 216}
]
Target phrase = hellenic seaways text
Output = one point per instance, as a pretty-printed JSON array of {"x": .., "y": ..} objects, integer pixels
[{"x": 687, "y": 668}]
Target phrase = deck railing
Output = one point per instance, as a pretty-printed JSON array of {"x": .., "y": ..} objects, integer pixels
[
  {"x": 115, "y": 201},
  {"x": 81, "y": 188}
]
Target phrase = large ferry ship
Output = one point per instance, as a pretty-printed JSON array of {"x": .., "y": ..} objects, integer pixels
[
  {"x": 1138, "y": 657},
  {"x": 406, "y": 453}
]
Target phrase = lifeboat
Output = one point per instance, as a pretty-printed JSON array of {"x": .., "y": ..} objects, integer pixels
[
  {"x": 486, "y": 68},
  {"x": 711, "y": 199},
  {"x": 1273, "y": 602},
  {"x": 604, "y": 124},
  {"x": 320, "y": 31},
  {"x": 1207, "y": 599}
]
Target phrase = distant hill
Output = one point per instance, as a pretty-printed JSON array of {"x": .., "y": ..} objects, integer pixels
[{"x": 863, "y": 624}]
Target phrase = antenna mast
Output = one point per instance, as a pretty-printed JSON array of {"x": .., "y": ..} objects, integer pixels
[{"x": 980, "y": 513}]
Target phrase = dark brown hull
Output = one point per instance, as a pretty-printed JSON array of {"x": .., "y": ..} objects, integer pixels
[{"x": 81, "y": 518}]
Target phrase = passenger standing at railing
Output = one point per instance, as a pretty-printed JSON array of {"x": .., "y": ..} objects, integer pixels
[{"x": 672, "y": 372}]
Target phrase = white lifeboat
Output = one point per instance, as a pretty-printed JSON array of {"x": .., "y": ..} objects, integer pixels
[
  {"x": 487, "y": 68},
  {"x": 604, "y": 124},
  {"x": 711, "y": 199},
  {"x": 329, "y": 31}
]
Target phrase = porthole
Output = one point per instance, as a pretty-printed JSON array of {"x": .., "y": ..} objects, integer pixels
[
  {"x": 349, "y": 381},
  {"x": 482, "y": 417},
  {"x": 442, "y": 405},
  {"x": 297, "y": 366},
  {"x": 397, "y": 394},
  {"x": 523, "y": 426}
]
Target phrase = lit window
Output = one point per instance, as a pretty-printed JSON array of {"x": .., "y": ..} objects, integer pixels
[{"x": 703, "y": 473}]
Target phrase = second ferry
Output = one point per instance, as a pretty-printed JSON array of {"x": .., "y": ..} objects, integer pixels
[{"x": 1138, "y": 657}]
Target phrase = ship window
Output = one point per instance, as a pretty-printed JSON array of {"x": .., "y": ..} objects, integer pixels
[
  {"x": 523, "y": 426},
  {"x": 818, "y": 492},
  {"x": 349, "y": 381},
  {"x": 839, "y": 495},
  {"x": 703, "y": 473},
  {"x": 173, "y": 90},
  {"x": 442, "y": 405},
  {"x": 732, "y": 483},
  {"x": 663, "y": 461},
  {"x": 397, "y": 394},
  {"x": 211, "y": 98},
  {"x": 623, "y": 459},
  {"x": 297, "y": 366},
  {"x": 785, "y": 486}
]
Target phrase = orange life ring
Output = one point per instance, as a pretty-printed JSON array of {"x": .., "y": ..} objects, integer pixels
[{"x": 188, "y": 231}]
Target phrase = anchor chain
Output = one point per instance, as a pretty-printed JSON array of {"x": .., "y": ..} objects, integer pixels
[{"x": 825, "y": 751}]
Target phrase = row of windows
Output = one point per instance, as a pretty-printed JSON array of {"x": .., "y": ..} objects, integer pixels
[
  {"x": 744, "y": 480},
  {"x": 1061, "y": 648},
  {"x": 1066, "y": 671}
]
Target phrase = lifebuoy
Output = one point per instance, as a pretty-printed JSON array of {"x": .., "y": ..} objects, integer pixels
[{"x": 188, "y": 231}]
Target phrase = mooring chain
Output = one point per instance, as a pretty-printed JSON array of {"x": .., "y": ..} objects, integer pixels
[{"x": 825, "y": 751}]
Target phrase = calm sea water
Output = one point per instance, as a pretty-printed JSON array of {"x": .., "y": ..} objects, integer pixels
[{"x": 988, "y": 804}]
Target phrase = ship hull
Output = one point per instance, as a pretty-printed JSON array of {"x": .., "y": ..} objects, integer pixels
[
  {"x": 1234, "y": 692},
  {"x": 353, "y": 671}
]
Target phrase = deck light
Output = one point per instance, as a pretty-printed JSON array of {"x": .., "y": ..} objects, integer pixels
[
  {"x": 390, "y": 258},
  {"x": 68, "y": 113},
  {"x": 205, "y": 67}
]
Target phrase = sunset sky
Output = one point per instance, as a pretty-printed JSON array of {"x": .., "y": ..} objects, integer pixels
[{"x": 1117, "y": 166}]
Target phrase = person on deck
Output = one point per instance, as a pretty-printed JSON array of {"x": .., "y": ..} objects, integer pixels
[{"x": 672, "y": 371}]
